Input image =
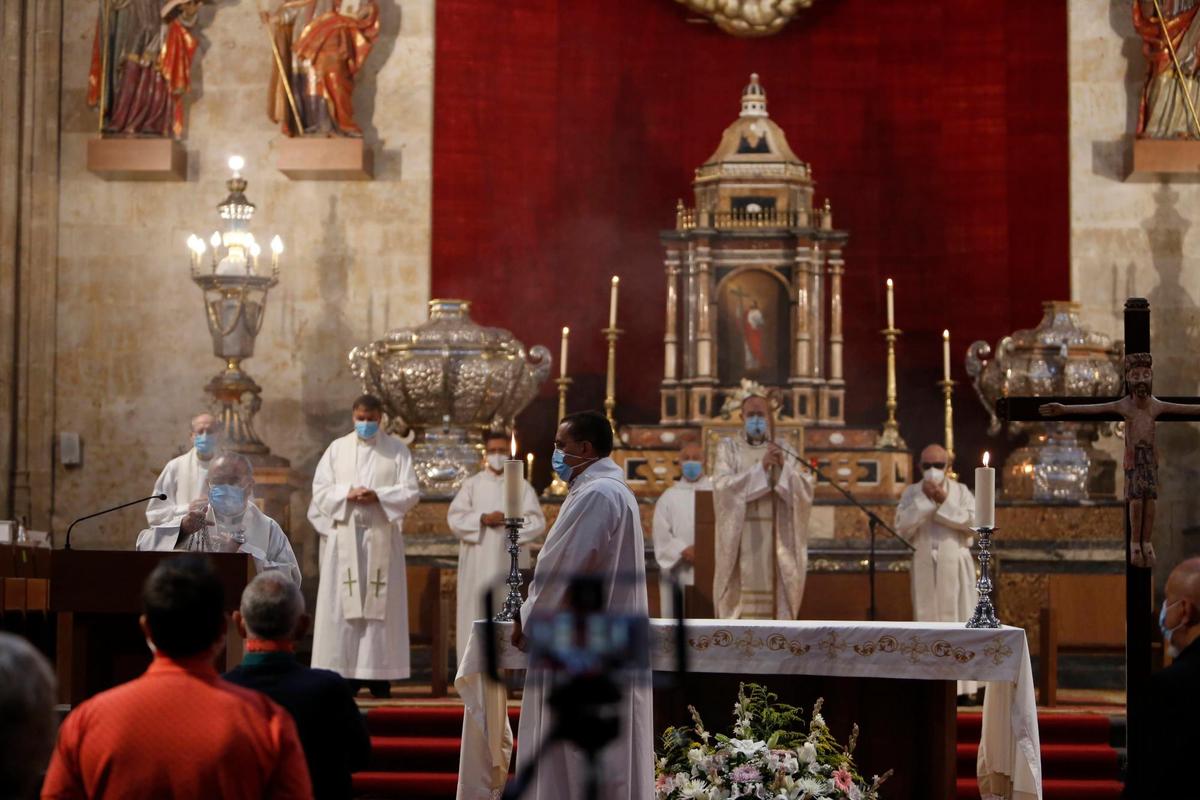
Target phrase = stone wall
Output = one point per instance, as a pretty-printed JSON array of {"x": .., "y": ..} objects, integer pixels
[
  {"x": 1132, "y": 237},
  {"x": 133, "y": 351}
]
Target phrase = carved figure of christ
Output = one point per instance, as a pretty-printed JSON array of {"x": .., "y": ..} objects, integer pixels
[{"x": 1139, "y": 409}]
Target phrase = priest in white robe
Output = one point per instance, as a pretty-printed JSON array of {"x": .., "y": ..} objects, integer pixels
[
  {"x": 227, "y": 521},
  {"x": 363, "y": 487},
  {"x": 184, "y": 480},
  {"x": 762, "y": 501},
  {"x": 476, "y": 519},
  {"x": 935, "y": 516},
  {"x": 674, "y": 532},
  {"x": 598, "y": 532}
]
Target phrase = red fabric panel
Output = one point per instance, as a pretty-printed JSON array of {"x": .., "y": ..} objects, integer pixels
[{"x": 566, "y": 129}]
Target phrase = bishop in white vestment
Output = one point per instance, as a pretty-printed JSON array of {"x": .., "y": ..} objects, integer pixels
[
  {"x": 674, "y": 532},
  {"x": 184, "y": 479},
  {"x": 598, "y": 532},
  {"x": 762, "y": 502},
  {"x": 363, "y": 487},
  {"x": 227, "y": 521},
  {"x": 476, "y": 519},
  {"x": 936, "y": 516}
]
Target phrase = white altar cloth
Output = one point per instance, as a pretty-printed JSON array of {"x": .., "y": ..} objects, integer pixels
[{"x": 1009, "y": 763}]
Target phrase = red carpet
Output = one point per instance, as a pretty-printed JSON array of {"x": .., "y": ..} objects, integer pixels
[{"x": 415, "y": 754}]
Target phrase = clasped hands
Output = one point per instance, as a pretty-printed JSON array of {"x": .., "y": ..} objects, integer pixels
[
  {"x": 493, "y": 520},
  {"x": 773, "y": 457},
  {"x": 935, "y": 492},
  {"x": 361, "y": 495}
]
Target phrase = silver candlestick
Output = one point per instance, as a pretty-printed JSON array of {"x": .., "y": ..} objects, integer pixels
[
  {"x": 985, "y": 614},
  {"x": 512, "y": 603}
]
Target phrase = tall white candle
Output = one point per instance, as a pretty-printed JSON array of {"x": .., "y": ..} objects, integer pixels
[
  {"x": 985, "y": 495},
  {"x": 514, "y": 480},
  {"x": 562, "y": 359},
  {"x": 612, "y": 303},
  {"x": 946, "y": 355},
  {"x": 891, "y": 306}
]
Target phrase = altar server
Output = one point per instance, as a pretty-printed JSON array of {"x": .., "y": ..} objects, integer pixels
[
  {"x": 762, "y": 500},
  {"x": 674, "y": 532},
  {"x": 227, "y": 521},
  {"x": 363, "y": 487},
  {"x": 476, "y": 519},
  {"x": 184, "y": 479},
  {"x": 598, "y": 533},
  {"x": 935, "y": 516}
]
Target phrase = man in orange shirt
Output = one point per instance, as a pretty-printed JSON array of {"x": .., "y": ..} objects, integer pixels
[{"x": 179, "y": 731}]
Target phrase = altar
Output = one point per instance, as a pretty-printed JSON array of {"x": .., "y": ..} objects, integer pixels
[{"x": 858, "y": 655}]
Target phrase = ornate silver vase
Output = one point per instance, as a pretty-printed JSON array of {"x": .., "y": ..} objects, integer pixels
[
  {"x": 1058, "y": 462},
  {"x": 447, "y": 380}
]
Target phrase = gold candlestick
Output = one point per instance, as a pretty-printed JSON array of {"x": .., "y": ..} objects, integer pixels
[
  {"x": 612, "y": 333},
  {"x": 558, "y": 487},
  {"x": 947, "y": 397},
  {"x": 890, "y": 437}
]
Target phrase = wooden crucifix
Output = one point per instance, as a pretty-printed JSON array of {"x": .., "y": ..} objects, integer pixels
[{"x": 1140, "y": 410}]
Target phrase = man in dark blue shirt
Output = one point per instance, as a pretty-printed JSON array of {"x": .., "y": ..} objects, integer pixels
[{"x": 332, "y": 730}]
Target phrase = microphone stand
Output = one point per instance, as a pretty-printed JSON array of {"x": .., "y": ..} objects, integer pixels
[
  {"x": 67, "y": 543},
  {"x": 873, "y": 521}
]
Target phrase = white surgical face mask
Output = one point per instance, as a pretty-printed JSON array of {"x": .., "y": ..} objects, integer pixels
[
  {"x": 495, "y": 461},
  {"x": 935, "y": 475}
]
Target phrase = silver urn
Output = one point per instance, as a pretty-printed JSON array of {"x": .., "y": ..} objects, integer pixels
[
  {"x": 1058, "y": 461},
  {"x": 447, "y": 381}
]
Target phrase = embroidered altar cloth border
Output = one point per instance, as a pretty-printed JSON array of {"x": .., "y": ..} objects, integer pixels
[{"x": 1009, "y": 761}]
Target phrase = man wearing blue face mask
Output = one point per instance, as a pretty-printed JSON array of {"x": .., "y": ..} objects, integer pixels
[
  {"x": 228, "y": 521},
  {"x": 1174, "y": 702},
  {"x": 184, "y": 480},
  {"x": 363, "y": 487},
  {"x": 762, "y": 502},
  {"x": 674, "y": 531}
]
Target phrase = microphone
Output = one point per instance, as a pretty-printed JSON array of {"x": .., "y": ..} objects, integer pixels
[{"x": 67, "y": 543}]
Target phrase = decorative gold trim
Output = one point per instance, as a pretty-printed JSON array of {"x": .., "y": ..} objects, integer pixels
[{"x": 748, "y": 17}]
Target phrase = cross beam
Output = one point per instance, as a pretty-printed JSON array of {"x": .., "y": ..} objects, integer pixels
[{"x": 1025, "y": 409}]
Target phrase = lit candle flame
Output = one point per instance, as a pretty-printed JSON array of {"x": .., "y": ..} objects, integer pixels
[
  {"x": 236, "y": 163},
  {"x": 277, "y": 245},
  {"x": 616, "y": 279},
  {"x": 513, "y": 446},
  {"x": 946, "y": 334},
  {"x": 889, "y": 282},
  {"x": 566, "y": 331},
  {"x": 986, "y": 457}
]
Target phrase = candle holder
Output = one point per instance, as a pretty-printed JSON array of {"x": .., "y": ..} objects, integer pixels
[
  {"x": 890, "y": 438},
  {"x": 948, "y": 420},
  {"x": 985, "y": 614},
  {"x": 610, "y": 385},
  {"x": 512, "y": 603},
  {"x": 558, "y": 487}
]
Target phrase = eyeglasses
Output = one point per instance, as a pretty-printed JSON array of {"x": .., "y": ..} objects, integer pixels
[{"x": 932, "y": 465}]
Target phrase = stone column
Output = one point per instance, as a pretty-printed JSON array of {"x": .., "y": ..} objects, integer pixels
[
  {"x": 816, "y": 314},
  {"x": 803, "y": 334},
  {"x": 671, "y": 337},
  {"x": 836, "y": 268},
  {"x": 30, "y": 85}
]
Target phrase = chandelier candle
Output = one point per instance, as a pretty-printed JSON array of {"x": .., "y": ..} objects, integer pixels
[
  {"x": 562, "y": 359},
  {"x": 891, "y": 305},
  {"x": 612, "y": 303},
  {"x": 946, "y": 355},
  {"x": 985, "y": 495}
]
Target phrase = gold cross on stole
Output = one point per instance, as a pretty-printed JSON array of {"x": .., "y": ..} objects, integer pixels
[
  {"x": 378, "y": 582},
  {"x": 349, "y": 583}
]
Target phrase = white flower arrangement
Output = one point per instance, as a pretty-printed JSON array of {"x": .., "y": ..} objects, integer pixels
[{"x": 772, "y": 755}]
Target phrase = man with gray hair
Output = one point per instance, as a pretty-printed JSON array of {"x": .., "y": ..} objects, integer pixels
[
  {"x": 228, "y": 521},
  {"x": 184, "y": 480},
  {"x": 332, "y": 730},
  {"x": 26, "y": 717}
]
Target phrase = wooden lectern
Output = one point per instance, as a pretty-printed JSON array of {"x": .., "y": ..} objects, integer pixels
[{"x": 95, "y": 597}]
